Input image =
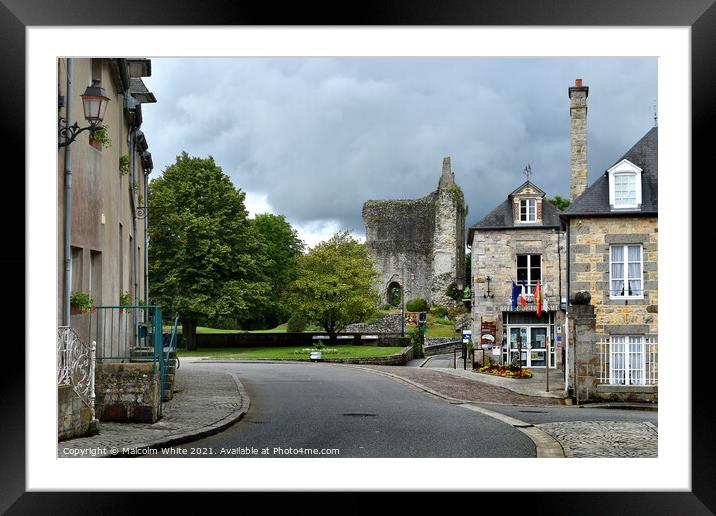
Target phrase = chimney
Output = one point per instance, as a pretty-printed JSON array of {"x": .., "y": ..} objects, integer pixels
[
  {"x": 447, "y": 178},
  {"x": 578, "y": 133}
]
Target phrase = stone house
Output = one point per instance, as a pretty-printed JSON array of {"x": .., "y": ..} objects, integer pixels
[
  {"x": 102, "y": 227},
  {"x": 518, "y": 241},
  {"x": 612, "y": 239},
  {"x": 418, "y": 245}
]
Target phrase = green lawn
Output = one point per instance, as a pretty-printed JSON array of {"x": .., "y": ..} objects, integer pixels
[{"x": 344, "y": 351}]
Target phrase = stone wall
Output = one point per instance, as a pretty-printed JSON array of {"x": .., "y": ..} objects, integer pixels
[
  {"x": 250, "y": 340},
  {"x": 494, "y": 254},
  {"x": 397, "y": 359},
  {"x": 74, "y": 418},
  {"x": 127, "y": 392},
  {"x": 419, "y": 243},
  {"x": 390, "y": 323},
  {"x": 590, "y": 239}
]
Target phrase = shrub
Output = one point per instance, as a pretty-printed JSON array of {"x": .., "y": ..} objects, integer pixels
[
  {"x": 439, "y": 311},
  {"x": 456, "y": 310},
  {"x": 453, "y": 292},
  {"x": 394, "y": 296},
  {"x": 386, "y": 307},
  {"x": 417, "y": 305},
  {"x": 81, "y": 300},
  {"x": 124, "y": 299},
  {"x": 414, "y": 335},
  {"x": 296, "y": 324}
]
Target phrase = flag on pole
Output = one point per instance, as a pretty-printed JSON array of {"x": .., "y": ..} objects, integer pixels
[
  {"x": 523, "y": 295},
  {"x": 515, "y": 294},
  {"x": 538, "y": 299}
]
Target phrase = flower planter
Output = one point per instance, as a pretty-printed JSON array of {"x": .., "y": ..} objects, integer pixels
[{"x": 76, "y": 310}]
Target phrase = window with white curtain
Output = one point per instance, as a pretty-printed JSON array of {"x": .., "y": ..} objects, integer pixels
[
  {"x": 624, "y": 190},
  {"x": 626, "y": 271},
  {"x": 627, "y": 360}
]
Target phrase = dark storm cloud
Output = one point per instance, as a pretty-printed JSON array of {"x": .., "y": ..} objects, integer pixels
[{"x": 320, "y": 136}]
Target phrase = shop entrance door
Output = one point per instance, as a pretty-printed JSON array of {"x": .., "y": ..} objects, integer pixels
[{"x": 534, "y": 345}]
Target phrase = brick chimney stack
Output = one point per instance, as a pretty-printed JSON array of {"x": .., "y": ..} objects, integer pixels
[{"x": 578, "y": 132}]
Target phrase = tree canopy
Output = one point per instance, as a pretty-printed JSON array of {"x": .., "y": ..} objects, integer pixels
[
  {"x": 282, "y": 246},
  {"x": 335, "y": 284},
  {"x": 205, "y": 256},
  {"x": 560, "y": 202}
]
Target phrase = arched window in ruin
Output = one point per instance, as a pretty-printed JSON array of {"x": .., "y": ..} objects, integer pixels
[{"x": 394, "y": 293}]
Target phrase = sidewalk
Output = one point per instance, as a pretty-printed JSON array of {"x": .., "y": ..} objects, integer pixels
[{"x": 205, "y": 402}]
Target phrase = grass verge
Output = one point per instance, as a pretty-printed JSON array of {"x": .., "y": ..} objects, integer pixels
[{"x": 291, "y": 353}]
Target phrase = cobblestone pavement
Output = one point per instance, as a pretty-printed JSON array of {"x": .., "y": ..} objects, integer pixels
[
  {"x": 462, "y": 388},
  {"x": 605, "y": 438},
  {"x": 204, "y": 401}
]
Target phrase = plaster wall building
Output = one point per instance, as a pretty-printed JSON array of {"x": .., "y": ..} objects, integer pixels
[
  {"x": 419, "y": 244},
  {"x": 105, "y": 229}
]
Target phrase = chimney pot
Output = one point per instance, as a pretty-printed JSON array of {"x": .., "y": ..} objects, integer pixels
[{"x": 578, "y": 83}]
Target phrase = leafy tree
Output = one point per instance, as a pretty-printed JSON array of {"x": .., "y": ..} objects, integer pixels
[
  {"x": 279, "y": 269},
  {"x": 205, "y": 258},
  {"x": 468, "y": 268},
  {"x": 335, "y": 284},
  {"x": 560, "y": 202}
]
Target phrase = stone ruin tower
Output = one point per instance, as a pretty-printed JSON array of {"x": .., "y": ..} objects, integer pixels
[{"x": 419, "y": 244}]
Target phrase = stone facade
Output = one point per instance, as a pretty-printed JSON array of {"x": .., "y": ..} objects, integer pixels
[
  {"x": 419, "y": 244},
  {"x": 127, "y": 392},
  {"x": 494, "y": 254},
  {"x": 590, "y": 240},
  {"x": 578, "y": 154}
]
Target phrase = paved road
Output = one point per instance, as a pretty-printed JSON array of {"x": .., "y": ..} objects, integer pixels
[{"x": 318, "y": 406}]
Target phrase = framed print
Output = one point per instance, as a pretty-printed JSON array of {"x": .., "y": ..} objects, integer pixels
[{"x": 676, "y": 40}]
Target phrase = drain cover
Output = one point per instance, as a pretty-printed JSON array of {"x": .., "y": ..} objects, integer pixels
[
  {"x": 360, "y": 414},
  {"x": 534, "y": 411}
]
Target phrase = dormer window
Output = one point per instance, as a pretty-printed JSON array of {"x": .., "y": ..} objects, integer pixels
[
  {"x": 624, "y": 186},
  {"x": 528, "y": 210}
]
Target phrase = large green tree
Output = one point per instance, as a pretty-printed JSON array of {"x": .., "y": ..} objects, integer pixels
[
  {"x": 205, "y": 257},
  {"x": 279, "y": 269},
  {"x": 335, "y": 284}
]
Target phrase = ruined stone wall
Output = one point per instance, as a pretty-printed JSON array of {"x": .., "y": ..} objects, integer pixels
[
  {"x": 448, "y": 255},
  {"x": 399, "y": 233},
  {"x": 590, "y": 239}
]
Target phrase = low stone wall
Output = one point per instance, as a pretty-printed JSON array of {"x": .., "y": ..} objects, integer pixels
[
  {"x": 441, "y": 346},
  {"x": 390, "y": 323},
  {"x": 261, "y": 340},
  {"x": 127, "y": 392},
  {"x": 74, "y": 418},
  {"x": 649, "y": 393},
  {"x": 397, "y": 359}
]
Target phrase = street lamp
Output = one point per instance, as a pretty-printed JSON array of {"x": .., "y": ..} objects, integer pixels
[{"x": 94, "y": 104}]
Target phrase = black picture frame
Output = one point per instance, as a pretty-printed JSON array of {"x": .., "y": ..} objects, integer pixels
[{"x": 16, "y": 15}]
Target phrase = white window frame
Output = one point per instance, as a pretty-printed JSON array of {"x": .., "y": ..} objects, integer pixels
[
  {"x": 529, "y": 203},
  {"x": 625, "y": 268},
  {"x": 621, "y": 169},
  {"x": 627, "y": 363},
  {"x": 529, "y": 283}
]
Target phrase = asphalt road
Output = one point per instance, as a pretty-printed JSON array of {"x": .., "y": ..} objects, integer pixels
[
  {"x": 304, "y": 406},
  {"x": 554, "y": 414}
]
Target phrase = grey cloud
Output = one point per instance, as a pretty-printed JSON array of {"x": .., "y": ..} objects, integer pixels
[{"x": 320, "y": 136}]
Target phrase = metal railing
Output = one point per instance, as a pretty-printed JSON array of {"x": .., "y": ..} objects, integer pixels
[
  {"x": 130, "y": 333},
  {"x": 76, "y": 365},
  {"x": 628, "y": 360}
]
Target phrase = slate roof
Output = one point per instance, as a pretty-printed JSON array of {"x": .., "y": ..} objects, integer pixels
[
  {"x": 595, "y": 199},
  {"x": 139, "y": 90},
  {"x": 502, "y": 218}
]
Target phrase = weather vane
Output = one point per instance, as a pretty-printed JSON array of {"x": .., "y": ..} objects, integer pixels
[
  {"x": 527, "y": 171},
  {"x": 655, "y": 117}
]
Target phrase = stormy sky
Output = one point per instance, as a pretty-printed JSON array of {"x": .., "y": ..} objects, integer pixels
[{"x": 313, "y": 138}]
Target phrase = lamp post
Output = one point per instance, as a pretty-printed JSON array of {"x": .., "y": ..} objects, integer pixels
[{"x": 94, "y": 105}]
